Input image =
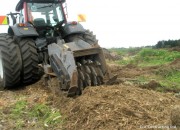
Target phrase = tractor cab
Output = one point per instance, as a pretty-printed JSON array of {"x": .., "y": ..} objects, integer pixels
[
  {"x": 42, "y": 11},
  {"x": 42, "y": 14}
]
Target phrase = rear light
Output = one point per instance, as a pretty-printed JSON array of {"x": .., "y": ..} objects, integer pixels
[
  {"x": 21, "y": 25},
  {"x": 74, "y": 23}
]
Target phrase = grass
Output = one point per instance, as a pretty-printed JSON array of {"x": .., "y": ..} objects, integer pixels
[
  {"x": 154, "y": 57},
  {"x": 45, "y": 114},
  {"x": 150, "y": 57},
  {"x": 126, "y": 61},
  {"x": 16, "y": 112},
  {"x": 126, "y": 51},
  {"x": 41, "y": 115},
  {"x": 168, "y": 77},
  {"x": 174, "y": 77}
]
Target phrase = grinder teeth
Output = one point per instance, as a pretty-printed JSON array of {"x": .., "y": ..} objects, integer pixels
[{"x": 89, "y": 73}]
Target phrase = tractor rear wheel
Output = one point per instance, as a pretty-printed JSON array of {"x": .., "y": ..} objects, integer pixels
[
  {"x": 10, "y": 62},
  {"x": 89, "y": 37},
  {"x": 30, "y": 69}
]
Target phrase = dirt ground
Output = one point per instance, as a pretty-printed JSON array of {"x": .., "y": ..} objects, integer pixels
[{"x": 120, "y": 106}]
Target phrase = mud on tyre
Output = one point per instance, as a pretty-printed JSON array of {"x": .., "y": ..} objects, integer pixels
[{"x": 10, "y": 62}]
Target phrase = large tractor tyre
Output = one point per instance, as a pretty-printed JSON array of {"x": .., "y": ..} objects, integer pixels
[
  {"x": 10, "y": 62},
  {"x": 89, "y": 37},
  {"x": 30, "y": 69}
]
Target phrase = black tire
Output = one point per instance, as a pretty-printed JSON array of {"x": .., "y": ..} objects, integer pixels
[
  {"x": 30, "y": 69},
  {"x": 10, "y": 62},
  {"x": 89, "y": 37}
]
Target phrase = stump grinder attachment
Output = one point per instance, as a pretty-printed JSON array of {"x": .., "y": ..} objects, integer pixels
[{"x": 78, "y": 65}]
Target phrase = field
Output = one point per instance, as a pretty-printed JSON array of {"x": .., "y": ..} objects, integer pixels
[{"x": 146, "y": 95}]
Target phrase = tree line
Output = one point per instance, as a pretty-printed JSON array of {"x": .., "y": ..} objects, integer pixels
[{"x": 168, "y": 44}]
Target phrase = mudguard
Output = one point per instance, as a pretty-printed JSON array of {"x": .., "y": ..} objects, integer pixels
[
  {"x": 24, "y": 31},
  {"x": 70, "y": 28}
]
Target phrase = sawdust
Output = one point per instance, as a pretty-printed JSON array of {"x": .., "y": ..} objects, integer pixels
[
  {"x": 116, "y": 107},
  {"x": 128, "y": 71},
  {"x": 102, "y": 107},
  {"x": 175, "y": 116},
  {"x": 119, "y": 106}
]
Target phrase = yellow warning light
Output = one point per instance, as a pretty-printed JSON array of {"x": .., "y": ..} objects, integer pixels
[{"x": 81, "y": 18}]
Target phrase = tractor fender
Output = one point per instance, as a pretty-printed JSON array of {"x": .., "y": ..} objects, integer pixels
[
  {"x": 72, "y": 28},
  {"x": 24, "y": 31}
]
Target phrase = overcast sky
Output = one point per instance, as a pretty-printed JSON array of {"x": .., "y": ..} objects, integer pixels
[{"x": 123, "y": 23}]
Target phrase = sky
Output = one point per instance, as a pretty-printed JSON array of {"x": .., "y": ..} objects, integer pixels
[{"x": 123, "y": 23}]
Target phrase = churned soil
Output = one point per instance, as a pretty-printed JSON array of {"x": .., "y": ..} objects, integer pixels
[{"x": 114, "y": 107}]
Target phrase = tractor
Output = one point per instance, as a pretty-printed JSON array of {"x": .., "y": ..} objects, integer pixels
[{"x": 41, "y": 37}]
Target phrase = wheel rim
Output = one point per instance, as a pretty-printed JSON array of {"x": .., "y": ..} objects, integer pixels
[{"x": 1, "y": 72}]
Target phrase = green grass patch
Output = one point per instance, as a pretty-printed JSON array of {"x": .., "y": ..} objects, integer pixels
[
  {"x": 143, "y": 79},
  {"x": 150, "y": 57},
  {"x": 18, "y": 109},
  {"x": 174, "y": 77},
  {"x": 126, "y": 51},
  {"x": 17, "y": 112},
  {"x": 169, "y": 79},
  {"x": 43, "y": 115},
  {"x": 154, "y": 57},
  {"x": 126, "y": 61}
]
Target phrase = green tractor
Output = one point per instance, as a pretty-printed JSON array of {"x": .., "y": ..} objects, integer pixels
[{"x": 41, "y": 35}]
